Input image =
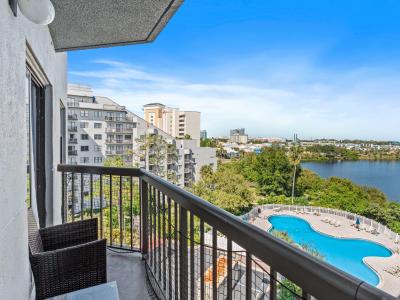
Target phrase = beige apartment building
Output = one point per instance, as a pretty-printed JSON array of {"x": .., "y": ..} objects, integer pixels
[{"x": 173, "y": 121}]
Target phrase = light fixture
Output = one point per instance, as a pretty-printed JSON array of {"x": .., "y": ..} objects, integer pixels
[{"x": 40, "y": 12}]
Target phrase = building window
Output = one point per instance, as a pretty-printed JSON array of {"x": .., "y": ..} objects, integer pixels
[
  {"x": 97, "y": 114},
  {"x": 84, "y": 148},
  {"x": 97, "y": 137},
  {"x": 84, "y": 136},
  {"x": 128, "y": 137},
  {"x": 84, "y": 124},
  {"x": 84, "y": 160},
  {"x": 97, "y": 148},
  {"x": 84, "y": 113},
  {"x": 97, "y": 125},
  {"x": 98, "y": 159}
]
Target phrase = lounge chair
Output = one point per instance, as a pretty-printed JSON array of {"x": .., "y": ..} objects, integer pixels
[
  {"x": 362, "y": 227},
  {"x": 332, "y": 221},
  {"x": 337, "y": 224}
]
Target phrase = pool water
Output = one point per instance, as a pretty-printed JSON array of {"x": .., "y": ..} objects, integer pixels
[{"x": 345, "y": 254}]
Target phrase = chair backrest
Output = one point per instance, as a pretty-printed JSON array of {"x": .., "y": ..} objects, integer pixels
[{"x": 34, "y": 239}]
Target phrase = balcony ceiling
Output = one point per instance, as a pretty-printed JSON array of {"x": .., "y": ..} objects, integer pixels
[{"x": 104, "y": 23}]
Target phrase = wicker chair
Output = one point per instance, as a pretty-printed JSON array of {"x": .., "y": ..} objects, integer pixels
[{"x": 67, "y": 257}]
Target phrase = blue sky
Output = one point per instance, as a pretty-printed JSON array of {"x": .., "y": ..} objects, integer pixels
[{"x": 315, "y": 67}]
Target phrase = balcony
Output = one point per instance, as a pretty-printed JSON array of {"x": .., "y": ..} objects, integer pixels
[
  {"x": 118, "y": 119},
  {"x": 190, "y": 248},
  {"x": 73, "y": 141},
  {"x": 72, "y": 152},
  {"x": 72, "y": 128},
  {"x": 72, "y": 117}
]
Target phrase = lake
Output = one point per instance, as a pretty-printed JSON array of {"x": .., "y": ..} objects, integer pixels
[{"x": 384, "y": 175}]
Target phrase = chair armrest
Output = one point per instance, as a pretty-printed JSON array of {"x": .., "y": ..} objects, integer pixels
[
  {"x": 65, "y": 270},
  {"x": 69, "y": 234}
]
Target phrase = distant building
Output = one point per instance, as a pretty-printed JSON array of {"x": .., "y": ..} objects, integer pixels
[
  {"x": 173, "y": 121},
  {"x": 238, "y": 136},
  {"x": 203, "y": 134},
  {"x": 239, "y": 131},
  {"x": 99, "y": 128}
]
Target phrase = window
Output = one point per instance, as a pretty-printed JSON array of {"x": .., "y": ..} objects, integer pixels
[
  {"x": 84, "y": 160},
  {"x": 128, "y": 137},
  {"x": 97, "y": 114},
  {"x": 72, "y": 160},
  {"x": 84, "y": 136},
  {"x": 84, "y": 124},
  {"x": 97, "y": 137},
  {"x": 97, "y": 125},
  {"x": 84, "y": 113},
  {"x": 84, "y": 148},
  {"x": 97, "y": 148},
  {"x": 98, "y": 159}
]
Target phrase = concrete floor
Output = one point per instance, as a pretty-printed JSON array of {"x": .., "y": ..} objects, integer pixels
[{"x": 128, "y": 270}]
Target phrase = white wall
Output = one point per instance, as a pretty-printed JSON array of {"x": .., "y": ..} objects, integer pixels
[{"x": 15, "y": 32}]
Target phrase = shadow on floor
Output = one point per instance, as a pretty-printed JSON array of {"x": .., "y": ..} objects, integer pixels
[{"x": 128, "y": 270}]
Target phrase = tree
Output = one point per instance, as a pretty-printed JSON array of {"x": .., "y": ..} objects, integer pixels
[
  {"x": 271, "y": 170},
  {"x": 295, "y": 158},
  {"x": 225, "y": 188},
  {"x": 152, "y": 148},
  {"x": 115, "y": 161}
]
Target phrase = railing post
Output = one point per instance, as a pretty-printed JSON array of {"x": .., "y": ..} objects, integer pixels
[
  {"x": 183, "y": 278},
  {"x": 144, "y": 201},
  {"x": 273, "y": 291}
]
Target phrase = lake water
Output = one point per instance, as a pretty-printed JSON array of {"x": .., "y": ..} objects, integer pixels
[{"x": 384, "y": 175}]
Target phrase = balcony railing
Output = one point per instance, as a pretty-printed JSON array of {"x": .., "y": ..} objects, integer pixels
[
  {"x": 73, "y": 128},
  {"x": 72, "y": 152},
  {"x": 73, "y": 117},
  {"x": 193, "y": 249},
  {"x": 73, "y": 141}
]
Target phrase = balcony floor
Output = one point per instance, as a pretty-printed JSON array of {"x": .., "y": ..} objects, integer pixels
[{"x": 128, "y": 270}]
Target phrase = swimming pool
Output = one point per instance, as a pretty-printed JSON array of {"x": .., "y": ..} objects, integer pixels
[{"x": 345, "y": 254}]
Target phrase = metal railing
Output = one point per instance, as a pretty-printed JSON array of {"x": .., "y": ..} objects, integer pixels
[
  {"x": 73, "y": 152},
  {"x": 73, "y": 128},
  {"x": 193, "y": 249},
  {"x": 73, "y": 141}
]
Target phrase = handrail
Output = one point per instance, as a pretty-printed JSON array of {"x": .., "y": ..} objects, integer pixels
[{"x": 318, "y": 278}]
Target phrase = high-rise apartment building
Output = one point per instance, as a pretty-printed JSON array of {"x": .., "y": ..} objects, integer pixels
[
  {"x": 203, "y": 134},
  {"x": 179, "y": 124},
  {"x": 99, "y": 128},
  {"x": 238, "y": 136}
]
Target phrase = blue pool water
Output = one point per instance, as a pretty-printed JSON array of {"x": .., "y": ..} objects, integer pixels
[{"x": 345, "y": 254}]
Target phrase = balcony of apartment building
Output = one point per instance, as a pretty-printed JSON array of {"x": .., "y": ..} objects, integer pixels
[
  {"x": 118, "y": 118},
  {"x": 72, "y": 117},
  {"x": 72, "y": 152},
  {"x": 73, "y": 141},
  {"x": 73, "y": 128},
  {"x": 175, "y": 245}
]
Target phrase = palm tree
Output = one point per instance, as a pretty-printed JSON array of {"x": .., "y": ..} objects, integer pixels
[{"x": 295, "y": 158}]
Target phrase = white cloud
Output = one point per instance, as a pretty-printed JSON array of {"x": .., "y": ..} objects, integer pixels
[{"x": 353, "y": 103}]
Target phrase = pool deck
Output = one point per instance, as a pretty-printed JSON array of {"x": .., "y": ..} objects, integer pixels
[{"x": 388, "y": 282}]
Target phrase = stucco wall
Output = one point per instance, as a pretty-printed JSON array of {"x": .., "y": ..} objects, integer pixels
[{"x": 14, "y": 34}]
